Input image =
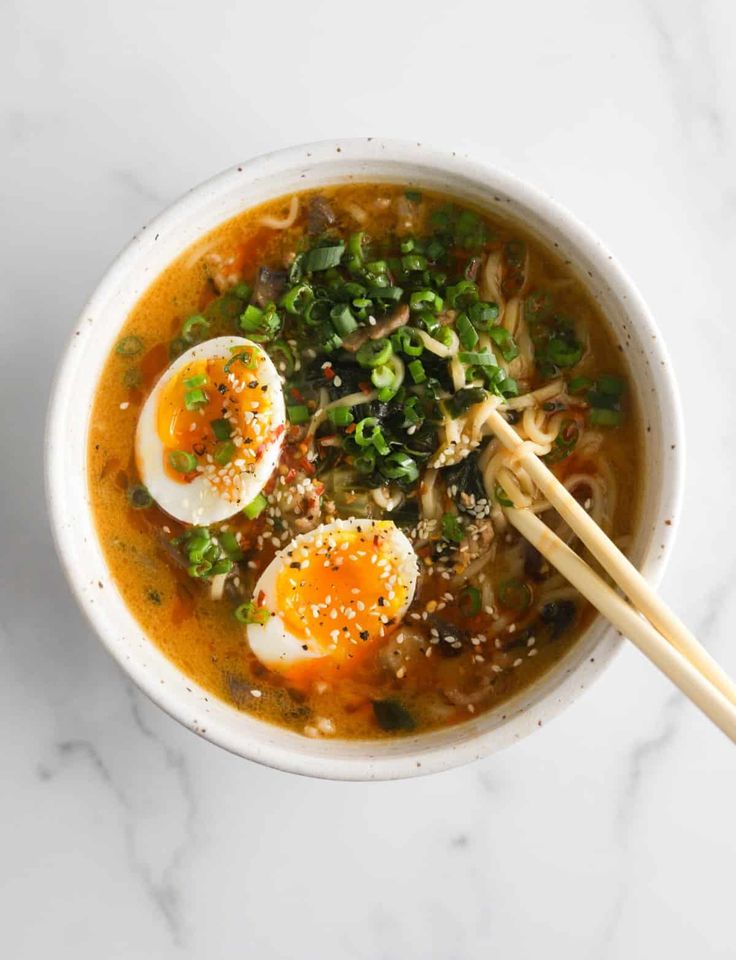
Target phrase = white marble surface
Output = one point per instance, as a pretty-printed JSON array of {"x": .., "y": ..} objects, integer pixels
[{"x": 611, "y": 833}]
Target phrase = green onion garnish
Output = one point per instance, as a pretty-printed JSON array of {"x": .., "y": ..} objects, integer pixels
[
  {"x": 383, "y": 376},
  {"x": 400, "y": 466},
  {"x": 224, "y": 452},
  {"x": 470, "y": 602},
  {"x": 182, "y": 461},
  {"x": 221, "y": 429},
  {"x": 296, "y": 300},
  {"x": 191, "y": 324},
  {"x": 482, "y": 359},
  {"x": 340, "y": 416},
  {"x": 195, "y": 399},
  {"x": 483, "y": 315},
  {"x": 129, "y": 346},
  {"x": 199, "y": 381},
  {"x": 374, "y": 353},
  {"x": 579, "y": 384},
  {"x": 297, "y": 413},
  {"x": 256, "y": 507},
  {"x": 423, "y": 299},
  {"x": 452, "y": 529},
  {"x": 505, "y": 342},
  {"x": 229, "y": 543},
  {"x": 343, "y": 320},
  {"x": 251, "y": 613},
  {"x": 601, "y": 417},
  {"x": 466, "y": 332},
  {"x": 514, "y": 594},
  {"x": 417, "y": 371},
  {"x": 610, "y": 385},
  {"x": 139, "y": 498},
  {"x": 322, "y": 258}
]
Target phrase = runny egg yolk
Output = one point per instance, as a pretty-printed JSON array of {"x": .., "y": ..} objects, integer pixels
[
  {"x": 343, "y": 591},
  {"x": 218, "y": 418}
]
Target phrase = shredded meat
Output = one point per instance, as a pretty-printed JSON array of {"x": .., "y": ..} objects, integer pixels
[{"x": 397, "y": 318}]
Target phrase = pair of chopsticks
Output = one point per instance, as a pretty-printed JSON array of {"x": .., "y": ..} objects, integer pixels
[{"x": 646, "y": 620}]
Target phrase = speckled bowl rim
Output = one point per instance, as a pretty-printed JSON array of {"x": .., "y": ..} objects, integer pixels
[{"x": 65, "y": 448}]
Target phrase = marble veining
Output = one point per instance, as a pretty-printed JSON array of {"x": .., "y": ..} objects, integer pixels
[{"x": 607, "y": 834}]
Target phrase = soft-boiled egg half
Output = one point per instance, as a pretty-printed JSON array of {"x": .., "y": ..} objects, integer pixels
[
  {"x": 211, "y": 430},
  {"x": 332, "y": 595}
]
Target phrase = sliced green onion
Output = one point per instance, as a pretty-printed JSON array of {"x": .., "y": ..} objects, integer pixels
[
  {"x": 368, "y": 433},
  {"x": 385, "y": 293},
  {"x": 482, "y": 359},
  {"x": 400, "y": 466},
  {"x": 296, "y": 300},
  {"x": 340, "y": 416},
  {"x": 514, "y": 594},
  {"x": 423, "y": 299},
  {"x": 287, "y": 364},
  {"x": 139, "y": 498},
  {"x": 610, "y": 385},
  {"x": 452, "y": 529},
  {"x": 199, "y": 381},
  {"x": 417, "y": 371},
  {"x": 246, "y": 357},
  {"x": 224, "y": 452},
  {"x": 224, "y": 565},
  {"x": 132, "y": 378},
  {"x": 251, "y": 613},
  {"x": 483, "y": 315},
  {"x": 462, "y": 293},
  {"x": 191, "y": 324},
  {"x": 129, "y": 346},
  {"x": 374, "y": 353},
  {"x": 383, "y": 376},
  {"x": 256, "y": 507},
  {"x": 241, "y": 291},
  {"x": 470, "y": 602},
  {"x": 322, "y": 258},
  {"x": 407, "y": 340},
  {"x": 229, "y": 543},
  {"x": 413, "y": 196},
  {"x": 605, "y": 418},
  {"x": 366, "y": 462},
  {"x": 355, "y": 250},
  {"x": 505, "y": 342},
  {"x": 413, "y": 261},
  {"x": 343, "y": 320},
  {"x": 222, "y": 429},
  {"x": 195, "y": 399},
  {"x": 466, "y": 332},
  {"x": 564, "y": 351},
  {"x": 182, "y": 461},
  {"x": 297, "y": 413},
  {"x": 579, "y": 384},
  {"x": 364, "y": 431}
]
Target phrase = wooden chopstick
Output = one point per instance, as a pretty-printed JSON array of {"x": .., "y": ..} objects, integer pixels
[
  {"x": 627, "y": 621},
  {"x": 621, "y": 570}
]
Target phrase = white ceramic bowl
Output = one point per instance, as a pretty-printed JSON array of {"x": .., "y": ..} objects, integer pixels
[{"x": 140, "y": 263}]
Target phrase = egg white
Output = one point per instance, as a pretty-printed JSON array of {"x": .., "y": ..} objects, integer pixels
[
  {"x": 200, "y": 502},
  {"x": 272, "y": 642}
]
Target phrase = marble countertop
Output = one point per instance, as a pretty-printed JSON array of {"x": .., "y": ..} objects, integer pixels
[{"x": 610, "y": 833}]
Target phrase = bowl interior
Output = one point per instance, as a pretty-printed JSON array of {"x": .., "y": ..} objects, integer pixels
[{"x": 160, "y": 243}]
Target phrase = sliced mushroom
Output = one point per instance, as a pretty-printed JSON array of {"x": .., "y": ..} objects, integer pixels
[
  {"x": 398, "y": 317},
  {"x": 320, "y": 216},
  {"x": 269, "y": 286}
]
